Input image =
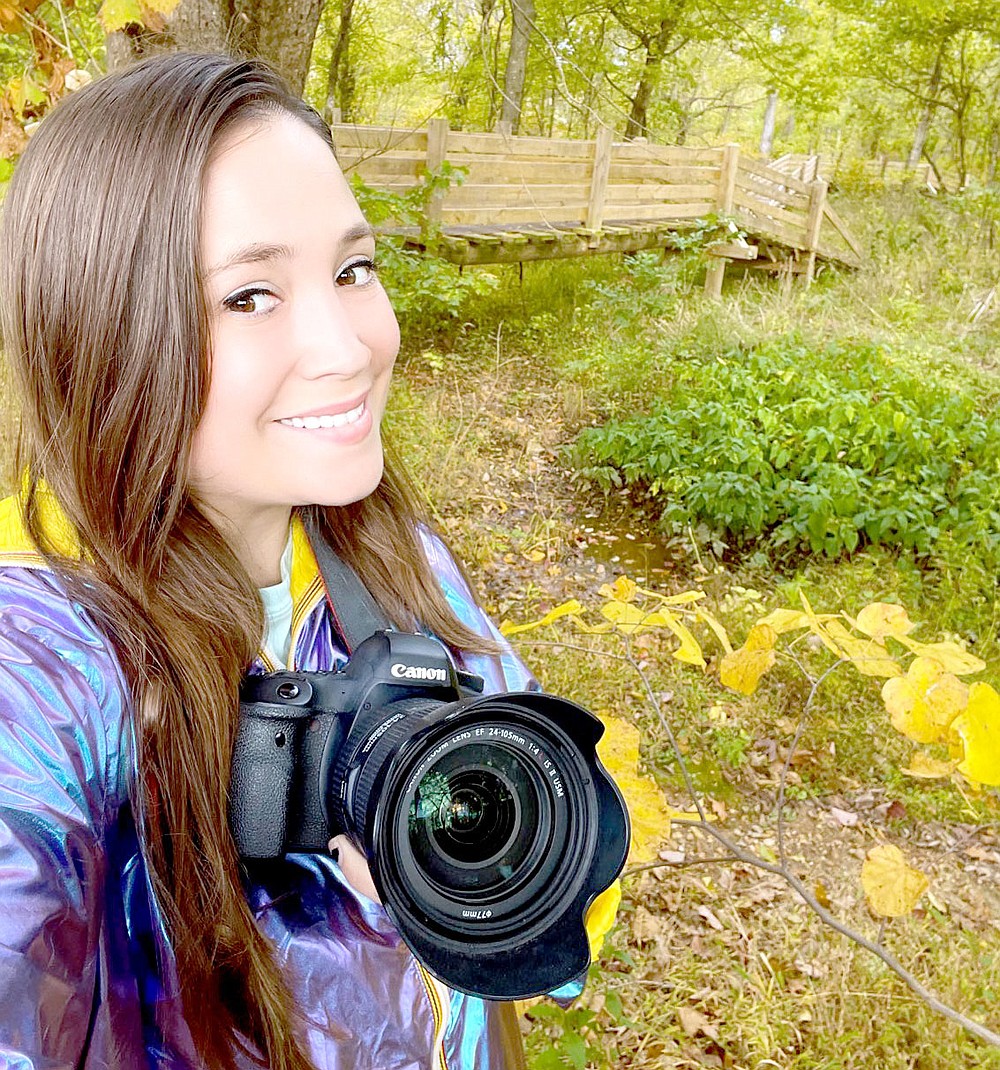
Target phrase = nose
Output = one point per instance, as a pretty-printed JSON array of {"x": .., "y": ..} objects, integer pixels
[{"x": 329, "y": 334}]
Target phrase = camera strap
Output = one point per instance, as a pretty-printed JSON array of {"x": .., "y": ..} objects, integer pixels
[{"x": 356, "y": 613}]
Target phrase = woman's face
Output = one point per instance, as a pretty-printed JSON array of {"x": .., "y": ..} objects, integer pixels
[{"x": 303, "y": 337}]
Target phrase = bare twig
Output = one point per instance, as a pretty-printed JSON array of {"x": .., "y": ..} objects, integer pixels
[{"x": 780, "y": 869}]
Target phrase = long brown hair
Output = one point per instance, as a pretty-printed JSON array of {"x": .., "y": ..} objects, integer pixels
[{"x": 106, "y": 327}]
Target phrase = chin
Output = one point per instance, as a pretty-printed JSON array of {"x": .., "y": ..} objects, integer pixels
[{"x": 362, "y": 482}]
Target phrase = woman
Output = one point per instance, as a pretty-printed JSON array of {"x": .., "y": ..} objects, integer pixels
[{"x": 191, "y": 308}]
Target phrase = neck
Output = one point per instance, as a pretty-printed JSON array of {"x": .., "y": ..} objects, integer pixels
[{"x": 258, "y": 539}]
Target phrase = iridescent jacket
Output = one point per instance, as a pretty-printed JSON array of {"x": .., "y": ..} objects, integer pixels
[{"x": 86, "y": 971}]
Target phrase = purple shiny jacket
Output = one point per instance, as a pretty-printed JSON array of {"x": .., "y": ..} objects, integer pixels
[{"x": 86, "y": 971}]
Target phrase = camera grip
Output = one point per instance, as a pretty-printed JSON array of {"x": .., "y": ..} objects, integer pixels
[{"x": 261, "y": 778}]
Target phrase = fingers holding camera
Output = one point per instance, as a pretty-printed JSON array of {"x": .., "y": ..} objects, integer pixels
[{"x": 354, "y": 866}]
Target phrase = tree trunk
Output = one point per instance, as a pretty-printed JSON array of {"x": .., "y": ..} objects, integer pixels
[
  {"x": 517, "y": 62},
  {"x": 341, "y": 83},
  {"x": 639, "y": 112},
  {"x": 770, "y": 117},
  {"x": 278, "y": 31},
  {"x": 656, "y": 51},
  {"x": 924, "y": 126}
]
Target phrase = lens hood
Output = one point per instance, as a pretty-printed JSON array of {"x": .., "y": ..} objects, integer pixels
[{"x": 493, "y": 828}]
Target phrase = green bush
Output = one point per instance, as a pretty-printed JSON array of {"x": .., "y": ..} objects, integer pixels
[
  {"x": 801, "y": 449},
  {"x": 423, "y": 288}
]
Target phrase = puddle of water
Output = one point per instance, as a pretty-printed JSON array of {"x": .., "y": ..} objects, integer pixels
[{"x": 642, "y": 557}]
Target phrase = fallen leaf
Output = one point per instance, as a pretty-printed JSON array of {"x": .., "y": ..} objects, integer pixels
[
  {"x": 892, "y": 886},
  {"x": 694, "y": 1022},
  {"x": 711, "y": 917},
  {"x": 924, "y": 766},
  {"x": 895, "y": 811},
  {"x": 847, "y": 818}
]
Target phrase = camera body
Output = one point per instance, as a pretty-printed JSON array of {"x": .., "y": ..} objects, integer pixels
[
  {"x": 488, "y": 821},
  {"x": 296, "y": 727}
]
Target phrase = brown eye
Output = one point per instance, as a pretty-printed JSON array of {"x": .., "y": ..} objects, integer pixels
[
  {"x": 360, "y": 273},
  {"x": 252, "y": 302}
]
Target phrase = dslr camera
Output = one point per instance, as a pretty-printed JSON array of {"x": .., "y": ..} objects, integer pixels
[{"x": 488, "y": 822}]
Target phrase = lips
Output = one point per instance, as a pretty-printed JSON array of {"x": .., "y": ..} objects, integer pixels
[{"x": 326, "y": 419}]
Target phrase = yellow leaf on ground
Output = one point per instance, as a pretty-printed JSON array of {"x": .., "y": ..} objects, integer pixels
[
  {"x": 883, "y": 618},
  {"x": 979, "y": 729},
  {"x": 924, "y": 766},
  {"x": 164, "y": 7},
  {"x": 622, "y": 590},
  {"x": 868, "y": 656},
  {"x": 925, "y": 702},
  {"x": 618, "y": 749},
  {"x": 953, "y": 657},
  {"x": 892, "y": 886},
  {"x": 742, "y": 669}
]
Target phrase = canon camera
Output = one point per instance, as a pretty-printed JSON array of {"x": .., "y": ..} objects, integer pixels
[{"x": 488, "y": 822}]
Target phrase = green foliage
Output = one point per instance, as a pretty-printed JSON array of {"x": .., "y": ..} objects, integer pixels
[
  {"x": 423, "y": 287},
  {"x": 579, "y": 1036},
  {"x": 824, "y": 451}
]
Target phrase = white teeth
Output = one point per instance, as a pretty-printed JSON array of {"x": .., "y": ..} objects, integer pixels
[{"x": 312, "y": 423}]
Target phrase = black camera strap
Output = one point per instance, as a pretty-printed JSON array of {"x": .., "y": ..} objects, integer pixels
[{"x": 355, "y": 612}]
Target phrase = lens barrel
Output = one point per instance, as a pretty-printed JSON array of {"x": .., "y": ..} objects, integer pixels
[{"x": 490, "y": 826}]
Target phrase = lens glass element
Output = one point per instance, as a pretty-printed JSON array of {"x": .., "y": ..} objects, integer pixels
[{"x": 474, "y": 817}]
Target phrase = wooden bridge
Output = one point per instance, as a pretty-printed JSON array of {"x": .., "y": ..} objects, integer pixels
[{"x": 534, "y": 198}]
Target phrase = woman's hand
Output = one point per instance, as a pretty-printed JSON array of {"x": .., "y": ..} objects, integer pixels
[{"x": 354, "y": 866}]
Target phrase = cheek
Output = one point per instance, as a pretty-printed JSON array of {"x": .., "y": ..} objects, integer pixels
[{"x": 383, "y": 333}]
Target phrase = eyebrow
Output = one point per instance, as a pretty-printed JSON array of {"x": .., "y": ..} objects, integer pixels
[{"x": 268, "y": 252}]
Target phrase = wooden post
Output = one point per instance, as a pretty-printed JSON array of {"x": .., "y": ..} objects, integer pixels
[
  {"x": 814, "y": 224},
  {"x": 336, "y": 116},
  {"x": 437, "y": 151},
  {"x": 724, "y": 197},
  {"x": 599, "y": 178}
]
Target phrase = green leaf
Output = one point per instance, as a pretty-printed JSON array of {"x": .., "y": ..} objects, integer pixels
[{"x": 576, "y": 1050}]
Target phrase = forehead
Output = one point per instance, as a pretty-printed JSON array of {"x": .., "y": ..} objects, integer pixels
[{"x": 274, "y": 179}]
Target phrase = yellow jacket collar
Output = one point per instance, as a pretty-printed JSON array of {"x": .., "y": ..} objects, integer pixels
[
  {"x": 17, "y": 548},
  {"x": 16, "y": 545}
]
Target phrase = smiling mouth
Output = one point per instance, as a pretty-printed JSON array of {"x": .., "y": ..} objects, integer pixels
[{"x": 314, "y": 423}]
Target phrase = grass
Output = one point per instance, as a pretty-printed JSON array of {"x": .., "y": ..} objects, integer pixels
[
  {"x": 498, "y": 396},
  {"x": 483, "y": 407}
]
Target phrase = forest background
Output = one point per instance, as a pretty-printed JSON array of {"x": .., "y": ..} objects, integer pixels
[{"x": 834, "y": 446}]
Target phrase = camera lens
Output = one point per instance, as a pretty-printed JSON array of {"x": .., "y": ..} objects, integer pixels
[
  {"x": 472, "y": 818},
  {"x": 490, "y": 826}
]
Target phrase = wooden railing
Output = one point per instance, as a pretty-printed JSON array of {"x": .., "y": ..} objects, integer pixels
[{"x": 537, "y": 182}]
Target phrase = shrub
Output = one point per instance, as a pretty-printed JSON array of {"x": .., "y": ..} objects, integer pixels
[{"x": 801, "y": 449}]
